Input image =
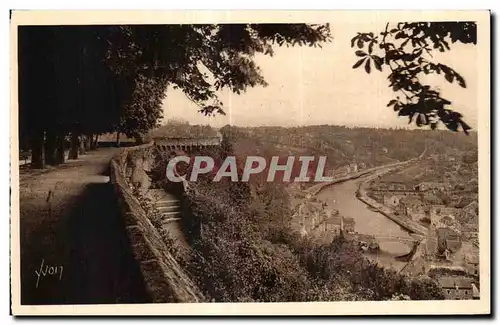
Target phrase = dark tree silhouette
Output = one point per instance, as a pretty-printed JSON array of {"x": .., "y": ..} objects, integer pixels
[{"x": 406, "y": 51}]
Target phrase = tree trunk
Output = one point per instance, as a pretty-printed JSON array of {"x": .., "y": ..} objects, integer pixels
[
  {"x": 81, "y": 149},
  {"x": 60, "y": 148},
  {"x": 118, "y": 139},
  {"x": 139, "y": 140},
  {"x": 88, "y": 141},
  {"x": 50, "y": 148},
  {"x": 73, "y": 151},
  {"x": 93, "y": 142},
  {"x": 36, "y": 144}
]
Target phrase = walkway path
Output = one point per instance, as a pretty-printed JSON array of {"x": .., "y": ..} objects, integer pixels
[{"x": 69, "y": 220}]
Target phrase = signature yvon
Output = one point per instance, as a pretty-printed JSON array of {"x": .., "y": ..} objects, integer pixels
[{"x": 48, "y": 270}]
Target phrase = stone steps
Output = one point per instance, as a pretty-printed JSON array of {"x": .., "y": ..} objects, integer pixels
[
  {"x": 167, "y": 204},
  {"x": 168, "y": 208},
  {"x": 171, "y": 214},
  {"x": 165, "y": 223}
]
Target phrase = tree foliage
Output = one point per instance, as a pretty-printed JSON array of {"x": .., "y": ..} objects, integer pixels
[
  {"x": 405, "y": 49},
  {"x": 202, "y": 59}
]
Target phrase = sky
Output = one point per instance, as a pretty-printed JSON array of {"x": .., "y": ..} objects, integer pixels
[{"x": 311, "y": 86}]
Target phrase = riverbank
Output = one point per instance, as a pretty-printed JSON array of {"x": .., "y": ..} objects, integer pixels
[
  {"x": 361, "y": 195},
  {"x": 406, "y": 223},
  {"x": 315, "y": 189}
]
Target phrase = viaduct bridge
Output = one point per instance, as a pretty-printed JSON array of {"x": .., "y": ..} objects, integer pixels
[
  {"x": 413, "y": 243},
  {"x": 187, "y": 143}
]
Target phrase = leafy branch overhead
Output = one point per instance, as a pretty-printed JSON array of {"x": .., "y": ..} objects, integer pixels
[
  {"x": 203, "y": 59},
  {"x": 406, "y": 51}
]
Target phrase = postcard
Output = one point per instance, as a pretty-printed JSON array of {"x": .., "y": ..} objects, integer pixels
[{"x": 250, "y": 163}]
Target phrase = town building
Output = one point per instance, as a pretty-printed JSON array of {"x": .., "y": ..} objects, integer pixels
[
  {"x": 379, "y": 195},
  {"x": 345, "y": 170},
  {"x": 308, "y": 215},
  {"x": 431, "y": 186},
  {"x": 448, "y": 242},
  {"x": 475, "y": 292},
  {"x": 391, "y": 186},
  {"x": 471, "y": 208},
  {"x": 472, "y": 264},
  {"x": 337, "y": 224},
  {"x": 314, "y": 218},
  {"x": 391, "y": 200},
  {"x": 413, "y": 207},
  {"x": 457, "y": 288},
  {"x": 349, "y": 225},
  {"x": 333, "y": 225},
  {"x": 440, "y": 270},
  {"x": 380, "y": 190},
  {"x": 470, "y": 236},
  {"x": 439, "y": 213},
  {"x": 431, "y": 248}
]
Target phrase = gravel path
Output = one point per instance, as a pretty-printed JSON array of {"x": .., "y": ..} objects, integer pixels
[{"x": 73, "y": 244}]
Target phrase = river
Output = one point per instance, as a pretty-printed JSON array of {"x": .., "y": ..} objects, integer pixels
[{"x": 342, "y": 197}]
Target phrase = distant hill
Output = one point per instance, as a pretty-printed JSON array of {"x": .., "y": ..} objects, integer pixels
[
  {"x": 181, "y": 129},
  {"x": 342, "y": 145}
]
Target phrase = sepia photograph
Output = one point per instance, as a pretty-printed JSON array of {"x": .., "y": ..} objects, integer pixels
[{"x": 250, "y": 162}]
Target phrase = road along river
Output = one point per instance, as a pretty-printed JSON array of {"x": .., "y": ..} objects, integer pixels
[{"x": 342, "y": 197}]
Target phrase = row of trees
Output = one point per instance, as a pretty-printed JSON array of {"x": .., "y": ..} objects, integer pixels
[
  {"x": 70, "y": 90},
  {"x": 76, "y": 82}
]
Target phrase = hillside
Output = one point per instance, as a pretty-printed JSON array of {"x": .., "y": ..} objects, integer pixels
[
  {"x": 365, "y": 147},
  {"x": 247, "y": 251},
  {"x": 182, "y": 129}
]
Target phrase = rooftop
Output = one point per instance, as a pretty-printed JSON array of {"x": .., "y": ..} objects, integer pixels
[
  {"x": 472, "y": 205},
  {"x": 432, "y": 183},
  {"x": 473, "y": 259},
  {"x": 447, "y": 267},
  {"x": 432, "y": 198},
  {"x": 334, "y": 220},
  {"x": 446, "y": 232},
  {"x": 453, "y": 245},
  {"x": 475, "y": 291},
  {"x": 413, "y": 200},
  {"x": 311, "y": 207},
  {"x": 444, "y": 207},
  {"x": 450, "y": 282},
  {"x": 349, "y": 220}
]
